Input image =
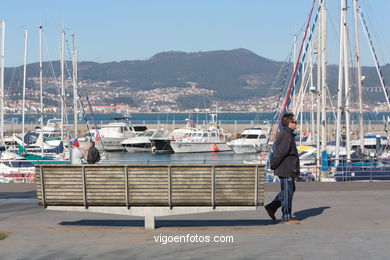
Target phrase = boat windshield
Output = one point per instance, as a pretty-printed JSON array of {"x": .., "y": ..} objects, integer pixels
[{"x": 147, "y": 134}]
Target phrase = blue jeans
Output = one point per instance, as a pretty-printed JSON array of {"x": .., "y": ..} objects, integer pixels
[{"x": 284, "y": 198}]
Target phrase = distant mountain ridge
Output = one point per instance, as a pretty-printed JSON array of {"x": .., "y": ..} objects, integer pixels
[{"x": 233, "y": 74}]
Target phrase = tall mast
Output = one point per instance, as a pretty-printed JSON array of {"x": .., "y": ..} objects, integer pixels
[
  {"x": 312, "y": 91},
  {"x": 75, "y": 95},
  {"x": 319, "y": 90},
  {"x": 2, "y": 80},
  {"x": 339, "y": 89},
  {"x": 323, "y": 75},
  {"x": 346, "y": 77},
  {"x": 359, "y": 72},
  {"x": 41, "y": 82},
  {"x": 293, "y": 103},
  {"x": 24, "y": 82},
  {"x": 62, "y": 84}
]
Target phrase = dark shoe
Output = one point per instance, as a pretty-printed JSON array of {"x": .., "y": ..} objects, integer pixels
[
  {"x": 291, "y": 221},
  {"x": 270, "y": 212}
]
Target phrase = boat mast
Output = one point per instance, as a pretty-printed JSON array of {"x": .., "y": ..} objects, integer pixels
[
  {"x": 339, "y": 90},
  {"x": 41, "y": 83},
  {"x": 359, "y": 76},
  {"x": 346, "y": 77},
  {"x": 62, "y": 84},
  {"x": 75, "y": 91},
  {"x": 293, "y": 103},
  {"x": 323, "y": 51},
  {"x": 319, "y": 54},
  {"x": 312, "y": 91},
  {"x": 24, "y": 82},
  {"x": 2, "y": 81}
]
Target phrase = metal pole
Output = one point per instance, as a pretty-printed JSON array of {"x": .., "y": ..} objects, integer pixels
[
  {"x": 41, "y": 82},
  {"x": 346, "y": 78},
  {"x": 318, "y": 154},
  {"x": 324, "y": 76},
  {"x": 359, "y": 72},
  {"x": 62, "y": 54},
  {"x": 2, "y": 130},
  {"x": 75, "y": 95},
  {"x": 24, "y": 83},
  {"x": 339, "y": 91}
]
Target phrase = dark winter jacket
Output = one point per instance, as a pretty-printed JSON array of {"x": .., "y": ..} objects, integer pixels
[
  {"x": 93, "y": 155},
  {"x": 285, "y": 159}
]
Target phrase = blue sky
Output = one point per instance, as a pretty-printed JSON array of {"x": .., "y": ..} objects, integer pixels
[{"x": 126, "y": 30}]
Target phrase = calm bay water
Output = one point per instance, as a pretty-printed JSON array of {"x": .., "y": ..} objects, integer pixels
[
  {"x": 193, "y": 158},
  {"x": 179, "y": 118}
]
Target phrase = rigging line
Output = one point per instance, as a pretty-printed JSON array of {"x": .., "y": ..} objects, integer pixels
[
  {"x": 298, "y": 65},
  {"x": 52, "y": 68},
  {"x": 93, "y": 117},
  {"x": 377, "y": 34},
  {"x": 10, "y": 82},
  {"x": 286, "y": 66},
  {"x": 373, "y": 53}
]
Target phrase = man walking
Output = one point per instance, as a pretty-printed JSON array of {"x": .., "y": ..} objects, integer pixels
[
  {"x": 285, "y": 162},
  {"x": 93, "y": 154}
]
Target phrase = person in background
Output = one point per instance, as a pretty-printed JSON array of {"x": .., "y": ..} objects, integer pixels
[
  {"x": 77, "y": 154},
  {"x": 285, "y": 162},
  {"x": 93, "y": 154}
]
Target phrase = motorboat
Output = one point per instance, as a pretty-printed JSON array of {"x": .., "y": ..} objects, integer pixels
[
  {"x": 142, "y": 141},
  {"x": 251, "y": 140},
  {"x": 110, "y": 136},
  {"x": 163, "y": 144},
  {"x": 212, "y": 139}
]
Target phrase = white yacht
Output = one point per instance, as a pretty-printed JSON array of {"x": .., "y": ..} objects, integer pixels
[
  {"x": 53, "y": 125},
  {"x": 212, "y": 139},
  {"x": 252, "y": 140},
  {"x": 141, "y": 142},
  {"x": 161, "y": 145},
  {"x": 111, "y": 135}
]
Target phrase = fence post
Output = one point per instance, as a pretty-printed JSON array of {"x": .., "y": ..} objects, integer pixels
[
  {"x": 170, "y": 186},
  {"x": 84, "y": 187},
  {"x": 127, "y": 187},
  {"x": 371, "y": 165}
]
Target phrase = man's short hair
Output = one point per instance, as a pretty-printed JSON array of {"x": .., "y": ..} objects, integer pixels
[
  {"x": 287, "y": 118},
  {"x": 92, "y": 142}
]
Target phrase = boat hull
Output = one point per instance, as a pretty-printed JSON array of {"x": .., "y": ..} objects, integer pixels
[
  {"x": 245, "y": 148},
  {"x": 138, "y": 147},
  {"x": 161, "y": 146},
  {"x": 111, "y": 145},
  {"x": 188, "y": 147}
]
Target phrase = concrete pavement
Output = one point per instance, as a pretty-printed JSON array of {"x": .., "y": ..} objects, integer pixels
[{"x": 338, "y": 221}]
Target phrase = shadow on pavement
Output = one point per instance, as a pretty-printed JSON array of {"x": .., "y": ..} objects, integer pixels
[
  {"x": 18, "y": 195},
  {"x": 105, "y": 223},
  {"x": 307, "y": 213},
  {"x": 170, "y": 223}
]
